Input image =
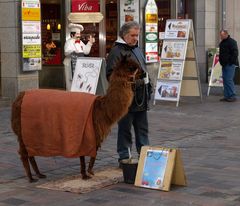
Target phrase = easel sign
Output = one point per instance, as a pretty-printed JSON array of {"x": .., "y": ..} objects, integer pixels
[
  {"x": 159, "y": 167},
  {"x": 216, "y": 79},
  {"x": 86, "y": 75}
]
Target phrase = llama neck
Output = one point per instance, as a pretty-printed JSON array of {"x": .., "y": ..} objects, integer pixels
[{"x": 112, "y": 107}]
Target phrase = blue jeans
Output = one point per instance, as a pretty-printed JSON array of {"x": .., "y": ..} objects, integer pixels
[
  {"x": 228, "y": 73},
  {"x": 140, "y": 124}
]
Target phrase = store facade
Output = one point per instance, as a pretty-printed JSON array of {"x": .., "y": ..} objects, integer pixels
[{"x": 56, "y": 14}]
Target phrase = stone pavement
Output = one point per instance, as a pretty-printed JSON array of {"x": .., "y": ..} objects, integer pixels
[{"x": 207, "y": 134}]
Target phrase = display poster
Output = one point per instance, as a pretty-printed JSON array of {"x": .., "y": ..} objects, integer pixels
[
  {"x": 177, "y": 29},
  {"x": 31, "y": 35},
  {"x": 216, "y": 79},
  {"x": 86, "y": 75},
  {"x": 129, "y": 11},
  {"x": 174, "y": 49},
  {"x": 151, "y": 32},
  {"x": 154, "y": 169},
  {"x": 167, "y": 90},
  {"x": 171, "y": 70}
]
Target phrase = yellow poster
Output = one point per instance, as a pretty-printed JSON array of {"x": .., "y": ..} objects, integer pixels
[
  {"x": 31, "y": 51},
  {"x": 31, "y": 14}
]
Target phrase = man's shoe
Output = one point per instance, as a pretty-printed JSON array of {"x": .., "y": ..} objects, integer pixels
[
  {"x": 231, "y": 99},
  {"x": 223, "y": 99}
]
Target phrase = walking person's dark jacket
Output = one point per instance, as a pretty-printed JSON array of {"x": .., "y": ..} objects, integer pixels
[{"x": 228, "y": 52}]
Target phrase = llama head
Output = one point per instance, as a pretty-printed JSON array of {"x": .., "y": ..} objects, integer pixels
[{"x": 126, "y": 69}]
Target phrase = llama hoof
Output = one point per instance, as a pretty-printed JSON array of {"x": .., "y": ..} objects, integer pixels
[
  {"x": 41, "y": 176},
  {"x": 86, "y": 177},
  {"x": 90, "y": 172},
  {"x": 32, "y": 180}
]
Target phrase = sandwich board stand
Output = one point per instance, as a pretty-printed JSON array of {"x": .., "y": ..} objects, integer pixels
[
  {"x": 160, "y": 167},
  {"x": 215, "y": 79},
  {"x": 178, "y": 73}
]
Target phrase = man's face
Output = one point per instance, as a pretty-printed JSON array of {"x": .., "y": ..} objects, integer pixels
[
  {"x": 77, "y": 35},
  {"x": 131, "y": 38},
  {"x": 223, "y": 35}
]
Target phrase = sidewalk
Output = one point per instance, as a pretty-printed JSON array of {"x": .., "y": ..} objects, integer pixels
[{"x": 207, "y": 134}]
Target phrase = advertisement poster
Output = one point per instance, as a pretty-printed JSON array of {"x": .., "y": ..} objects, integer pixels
[
  {"x": 166, "y": 90},
  {"x": 85, "y": 5},
  {"x": 154, "y": 169},
  {"x": 86, "y": 75},
  {"x": 177, "y": 29},
  {"x": 151, "y": 32},
  {"x": 175, "y": 49},
  {"x": 129, "y": 11},
  {"x": 171, "y": 70},
  {"x": 31, "y": 35},
  {"x": 216, "y": 79}
]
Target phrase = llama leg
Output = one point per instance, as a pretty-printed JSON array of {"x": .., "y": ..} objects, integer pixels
[
  {"x": 24, "y": 158},
  {"x": 83, "y": 168},
  {"x": 90, "y": 166},
  {"x": 35, "y": 167}
]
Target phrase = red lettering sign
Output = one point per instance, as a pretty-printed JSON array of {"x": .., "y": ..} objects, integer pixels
[{"x": 85, "y": 5}]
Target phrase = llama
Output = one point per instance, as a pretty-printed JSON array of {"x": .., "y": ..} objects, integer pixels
[{"x": 106, "y": 111}]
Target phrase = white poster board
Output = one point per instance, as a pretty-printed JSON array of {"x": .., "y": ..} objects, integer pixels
[
  {"x": 216, "y": 79},
  {"x": 167, "y": 90},
  {"x": 177, "y": 29},
  {"x": 170, "y": 70},
  {"x": 174, "y": 49},
  {"x": 86, "y": 75}
]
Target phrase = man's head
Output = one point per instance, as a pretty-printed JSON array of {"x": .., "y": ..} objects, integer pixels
[
  {"x": 223, "y": 34},
  {"x": 75, "y": 30},
  {"x": 129, "y": 32}
]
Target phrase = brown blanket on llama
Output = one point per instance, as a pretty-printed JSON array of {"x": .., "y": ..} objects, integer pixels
[{"x": 58, "y": 123}]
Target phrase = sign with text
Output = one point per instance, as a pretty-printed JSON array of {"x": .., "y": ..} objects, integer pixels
[
  {"x": 129, "y": 11},
  {"x": 31, "y": 35},
  {"x": 177, "y": 29},
  {"x": 85, "y": 6},
  {"x": 86, "y": 75}
]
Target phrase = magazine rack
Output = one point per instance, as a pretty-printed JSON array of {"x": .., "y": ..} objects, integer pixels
[{"x": 178, "y": 73}]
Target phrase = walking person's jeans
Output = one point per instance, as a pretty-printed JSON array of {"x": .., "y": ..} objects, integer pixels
[
  {"x": 140, "y": 124},
  {"x": 228, "y": 73}
]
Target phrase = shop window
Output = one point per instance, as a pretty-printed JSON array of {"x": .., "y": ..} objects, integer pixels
[
  {"x": 111, "y": 24},
  {"x": 185, "y": 9},
  {"x": 51, "y": 33}
]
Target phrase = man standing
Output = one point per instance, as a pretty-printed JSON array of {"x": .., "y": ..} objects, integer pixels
[
  {"x": 228, "y": 58},
  {"x": 126, "y": 45}
]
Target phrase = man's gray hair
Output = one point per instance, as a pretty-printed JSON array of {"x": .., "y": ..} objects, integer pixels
[
  {"x": 127, "y": 26},
  {"x": 224, "y": 31}
]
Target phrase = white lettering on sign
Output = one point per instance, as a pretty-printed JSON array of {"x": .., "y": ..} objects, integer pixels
[{"x": 85, "y": 7}]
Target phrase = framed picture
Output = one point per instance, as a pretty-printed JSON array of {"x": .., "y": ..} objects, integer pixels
[
  {"x": 155, "y": 168},
  {"x": 86, "y": 75},
  {"x": 167, "y": 90},
  {"x": 170, "y": 70},
  {"x": 174, "y": 49},
  {"x": 177, "y": 29}
]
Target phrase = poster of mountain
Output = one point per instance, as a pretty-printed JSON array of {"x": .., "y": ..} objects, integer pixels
[
  {"x": 171, "y": 70},
  {"x": 167, "y": 90},
  {"x": 174, "y": 49}
]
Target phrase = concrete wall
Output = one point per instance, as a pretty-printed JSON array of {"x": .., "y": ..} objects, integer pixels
[{"x": 13, "y": 80}]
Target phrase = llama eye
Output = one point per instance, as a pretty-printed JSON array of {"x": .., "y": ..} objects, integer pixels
[{"x": 132, "y": 68}]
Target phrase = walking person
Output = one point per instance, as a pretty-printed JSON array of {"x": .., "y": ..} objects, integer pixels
[
  {"x": 127, "y": 44},
  {"x": 73, "y": 49},
  {"x": 228, "y": 58}
]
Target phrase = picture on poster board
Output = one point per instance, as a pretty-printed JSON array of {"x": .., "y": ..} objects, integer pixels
[
  {"x": 154, "y": 169},
  {"x": 170, "y": 70},
  {"x": 177, "y": 29},
  {"x": 167, "y": 90},
  {"x": 216, "y": 79},
  {"x": 174, "y": 49},
  {"x": 86, "y": 75}
]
